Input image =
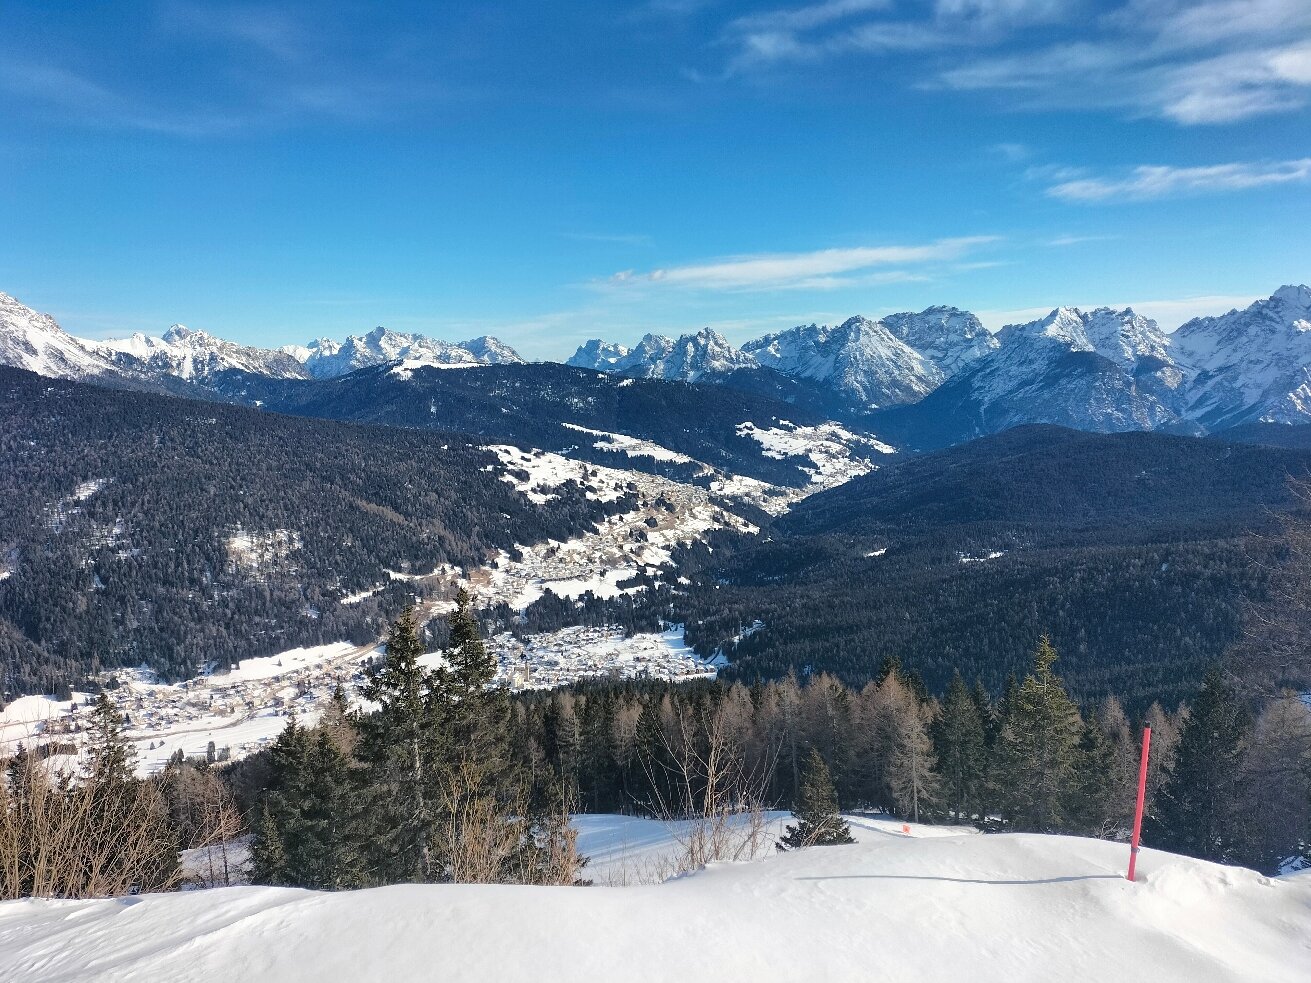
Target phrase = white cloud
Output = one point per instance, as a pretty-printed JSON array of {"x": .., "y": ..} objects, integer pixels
[
  {"x": 1193, "y": 63},
  {"x": 821, "y": 269},
  {"x": 811, "y": 16},
  {"x": 1075, "y": 240},
  {"x": 1012, "y": 12},
  {"x": 1154, "y": 181}
]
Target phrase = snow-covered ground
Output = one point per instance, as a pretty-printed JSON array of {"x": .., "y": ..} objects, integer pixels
[
  {"x": 931, "y": 905},
  {"x": 631, "y": 446}
]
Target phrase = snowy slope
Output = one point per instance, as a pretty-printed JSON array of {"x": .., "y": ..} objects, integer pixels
[
  {"x": 1251, "y": 364},
  {"x": 327, "y": 359},
  {"x": 33, "y": 341},
  {"x": 891, "y": 907}
]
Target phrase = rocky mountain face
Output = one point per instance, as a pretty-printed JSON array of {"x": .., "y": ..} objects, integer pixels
[
  {"x": 1250, "y": 365},
  {"x": 33, "y": 341},
  {"x": 870, "y": 364},
  {"x": 1103, "y": 371},
  {"x": 948, "y": 337},
  {"x": 600, "y": 355}
]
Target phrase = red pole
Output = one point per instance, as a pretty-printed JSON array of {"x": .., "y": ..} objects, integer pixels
[{"x": 1142, "y": 795}]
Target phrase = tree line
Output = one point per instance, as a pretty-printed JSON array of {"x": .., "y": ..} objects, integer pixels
[{"x": 445, "y": 777}]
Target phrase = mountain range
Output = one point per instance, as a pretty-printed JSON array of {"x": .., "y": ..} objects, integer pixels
[
  {"x": 34, "y": 341},
  {"x": 938, "y": 377},
  {"x": 922, "y": 380}
]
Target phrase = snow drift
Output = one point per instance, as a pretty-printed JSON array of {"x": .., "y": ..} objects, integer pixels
[{"x": 893, "y": 907}]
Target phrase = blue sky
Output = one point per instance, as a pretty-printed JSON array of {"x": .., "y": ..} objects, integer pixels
[{"x": 550, "y": 172}]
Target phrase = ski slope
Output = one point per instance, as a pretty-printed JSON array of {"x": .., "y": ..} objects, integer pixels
[{"x": 947, "y": 906}]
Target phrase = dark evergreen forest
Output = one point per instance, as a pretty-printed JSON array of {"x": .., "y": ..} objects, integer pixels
[{"x": 140, "y": 570}]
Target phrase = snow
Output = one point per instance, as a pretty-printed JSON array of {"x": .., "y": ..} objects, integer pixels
[
  {"x": 363, "y": 595},
  {"x": 991, "y": 555},
  {"x": 240, "y": 710},
  {"x": 26, "y": 716},
  {"x": 406, "y": 366},
  {"x": 632, "y": 446},
  {"x": 921, "y": 907},
  {"x": 253, "y": 552},
  {"x": 862, "y": 359},
  {"x": 546, "y": 471},
  {"x": 827, "y": 446}
]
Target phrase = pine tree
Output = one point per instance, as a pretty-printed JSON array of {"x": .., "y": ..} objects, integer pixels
[
  {"x": 1197, "y": 810},
  {"x": 111, "y": 759},
  {"x": 820, "y": 822},
  {"x": 959, "y": 741},
  {"x": 402, "y": 745},
  {"x": 268, "y": 856},
  {"x": 1037, "y": 748}
]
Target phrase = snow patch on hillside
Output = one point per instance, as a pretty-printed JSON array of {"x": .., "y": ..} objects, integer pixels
[
  {"x": 632, "y": 446},
  {"x": 827, "y": 446}
]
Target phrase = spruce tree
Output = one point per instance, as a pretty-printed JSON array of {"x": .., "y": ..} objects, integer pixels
[
  {"x": 820, "y": 823},
  {"x": 959, "y": 741},
  {"x": 111, "y": 759},
  {"x": 1198, "y": 809},
  {"x": 307, "y": 834},
  {"x": 402, "y": 745},
  {"x": 1037, "y": 748},
  {"x": 1092, "y": 807}
]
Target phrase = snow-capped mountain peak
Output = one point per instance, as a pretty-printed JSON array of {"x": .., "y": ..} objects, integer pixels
[
  {"x": 1294, "y": 297},
  {"x": 861, "y": 358},
  {"x": 33, "y": 341},
  {"x": 948, "y": 337},
  {"x": 327, "y": 359},
  {"x": 1251, "y": 364},
  {"x": 598, "y": 354}
]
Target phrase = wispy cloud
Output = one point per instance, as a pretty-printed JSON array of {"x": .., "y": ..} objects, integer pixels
[
  {"x": 612, "y": 238},
  {"x": 263, "y": 27},
  {"x": 1151, "y": 181},
  {"x": 1214, "y": 62},
  {"x": 817, "y": 270},
  {"x": 1194, "y": 63},
  {"x": 1060, "y": 242}
]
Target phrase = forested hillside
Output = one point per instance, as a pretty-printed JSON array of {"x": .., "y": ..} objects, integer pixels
[
  {"x": 543, "y": 404},
  {"x": 1133, "y": 551},
  {"x": 137, "y": 528}
]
